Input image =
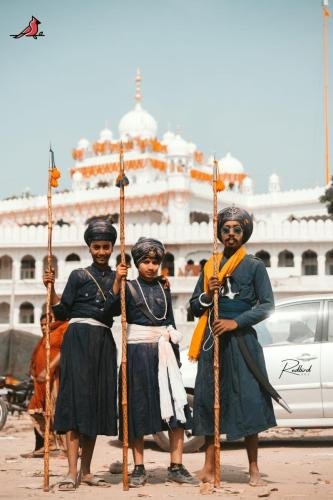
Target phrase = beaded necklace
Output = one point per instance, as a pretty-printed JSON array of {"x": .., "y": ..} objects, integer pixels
[{"x": 146, "y": 304}]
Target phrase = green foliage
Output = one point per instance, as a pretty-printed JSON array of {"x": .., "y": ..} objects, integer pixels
[{"x": 327, "y": 198}]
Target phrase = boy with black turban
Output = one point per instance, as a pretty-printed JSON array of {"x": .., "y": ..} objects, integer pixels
[
  {"x": 87, "y": 399},
  {"x": 156, "y": 396},
  {"x": 245, "y": 298}
]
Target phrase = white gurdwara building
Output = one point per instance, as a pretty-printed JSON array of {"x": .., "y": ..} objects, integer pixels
[{"x": 169, "y": 198}]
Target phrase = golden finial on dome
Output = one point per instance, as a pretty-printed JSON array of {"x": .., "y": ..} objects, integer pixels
[{"x": 138, "y": 86}]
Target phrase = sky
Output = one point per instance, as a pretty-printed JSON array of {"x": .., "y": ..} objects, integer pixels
[{"x": 239, "y": 76}]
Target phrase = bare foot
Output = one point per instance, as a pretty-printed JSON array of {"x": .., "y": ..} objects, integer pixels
[
  {"x": 256, "y": 479},
  {"x": 206, "y": 475},
  {"x": 206, "y": 488}
]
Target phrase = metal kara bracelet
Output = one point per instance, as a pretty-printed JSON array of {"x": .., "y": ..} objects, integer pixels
[{"x": 204, "y": 304}]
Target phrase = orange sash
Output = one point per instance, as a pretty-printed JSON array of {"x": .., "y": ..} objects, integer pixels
[{"x": 227, "y": 269}]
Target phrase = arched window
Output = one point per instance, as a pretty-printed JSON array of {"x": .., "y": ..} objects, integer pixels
[
  {"x": 286, "y": 259},
  {"x": 6, "y": 265},
  {"x": 265, "y": 257},
  {"x": 198, "y": 217},
  {"x": 28, "y": 265},
  {"x": 54, "y": 264},
  {"x": 72, "y": 257},
  {"x": 168, "y": 264},
  {"x": 4, "y": 312},
  {"x": 329, "y": 262},
  {"x": 27, "y": 314},
  {"x": 309, "y": 263}
]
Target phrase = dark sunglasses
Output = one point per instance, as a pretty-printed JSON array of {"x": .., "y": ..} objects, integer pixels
[{"x": 236, "y": 229}]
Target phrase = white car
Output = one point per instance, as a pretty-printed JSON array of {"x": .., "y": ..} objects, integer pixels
[{"x": 298, "y": 346}]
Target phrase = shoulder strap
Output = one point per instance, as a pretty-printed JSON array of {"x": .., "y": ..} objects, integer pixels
[
  {"x": 139, "y": 303},
  {"x": 96, "y": 283}
]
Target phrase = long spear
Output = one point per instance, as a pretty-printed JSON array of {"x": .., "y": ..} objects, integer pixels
[
  {"x": 326, "y": 14},
  {"x": 121, "y": 182},
  {"x": 53, "y": 176},
  {"x": 217, "y": 466}
]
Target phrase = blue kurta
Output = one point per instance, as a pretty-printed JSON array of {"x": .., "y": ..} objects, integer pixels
[
  {"x": 246, "y": 408},
  {"x": 87, "y": 399},
  {"x": 144, "y": 414}
]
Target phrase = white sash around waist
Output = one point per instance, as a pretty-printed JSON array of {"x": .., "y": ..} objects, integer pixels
[
  {"x": 88, "y": 321},
  {"x": 168, "y": 369}
]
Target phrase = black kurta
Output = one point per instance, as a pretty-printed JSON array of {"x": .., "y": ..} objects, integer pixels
[
  {"x": 142, "y": 365},
  {"x": 87, "y": 399},
  {"x": 246, "y": 407}
]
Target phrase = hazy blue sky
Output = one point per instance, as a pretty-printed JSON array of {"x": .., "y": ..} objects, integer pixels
[{"x": 243, "y": 76}]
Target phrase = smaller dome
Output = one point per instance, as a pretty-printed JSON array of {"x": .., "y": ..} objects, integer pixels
[
  {"x": 77, "y": 176},
  {"x": 168, "y": 137},
  {"x": 230, "y": 165},
  {"x": 178, "y": 147},
  {"x": 247, "y": 185},
  {"x": 105, "y": 135},
  {"x": 83, "y": 144}
]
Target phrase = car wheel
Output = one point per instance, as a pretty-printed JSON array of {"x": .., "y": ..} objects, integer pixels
[
  {"x": 191, "y": 443},
  {"x": 3, "y": 413}
]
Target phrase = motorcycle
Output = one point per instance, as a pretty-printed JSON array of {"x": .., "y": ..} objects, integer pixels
[{"x": 14, "y": 396}]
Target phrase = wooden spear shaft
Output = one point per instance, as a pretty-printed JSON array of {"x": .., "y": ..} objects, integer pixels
[
  {"x": 47, "y": 337},
  {"x": 124, "y": 404},
  {"x": 217, "y": 466}
]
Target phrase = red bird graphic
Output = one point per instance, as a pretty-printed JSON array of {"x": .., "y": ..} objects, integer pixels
[{"x": 30, "y": 30}]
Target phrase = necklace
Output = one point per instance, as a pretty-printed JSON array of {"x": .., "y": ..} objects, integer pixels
[{"x": 147, "y": 306}]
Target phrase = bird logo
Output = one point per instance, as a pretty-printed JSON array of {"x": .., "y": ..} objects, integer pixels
[{"x": 31, "y": 30}]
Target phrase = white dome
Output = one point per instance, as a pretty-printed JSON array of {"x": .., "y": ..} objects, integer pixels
[
  {"x": 77, "y": 176},
  {"x": 168, "y": 137},
  {"x": 247, "y": 185},
  {"x": 105, "y": 135},
  {"x": 138, "y": 123},
  {"x": 83, "y": 144},
  {"x": 230, "y": 165},
  {"x": 178, "y": 147}
]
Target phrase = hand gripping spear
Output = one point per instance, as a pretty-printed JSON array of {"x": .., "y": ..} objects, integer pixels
[
  {"x": 217, "y": 186},
  {"x": 53, "y": 177},
  {"x": 121, "y": 182}
]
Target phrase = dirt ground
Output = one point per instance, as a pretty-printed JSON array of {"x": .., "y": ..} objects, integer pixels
[{"x": 297, "y": 464}]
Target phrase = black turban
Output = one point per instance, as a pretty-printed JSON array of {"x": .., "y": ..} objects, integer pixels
[
  {"x": 147, "y": 247},
  {"x": 238, "y": 214},
  {"x": 100, "y": 229}
]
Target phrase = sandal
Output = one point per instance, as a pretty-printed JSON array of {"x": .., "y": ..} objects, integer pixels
[
  {"x": 92, "y": 480},
  {"x": 67, "y": 484}
]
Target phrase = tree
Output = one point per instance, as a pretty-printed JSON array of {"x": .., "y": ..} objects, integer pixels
[{"x": 327, "y": 198}]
